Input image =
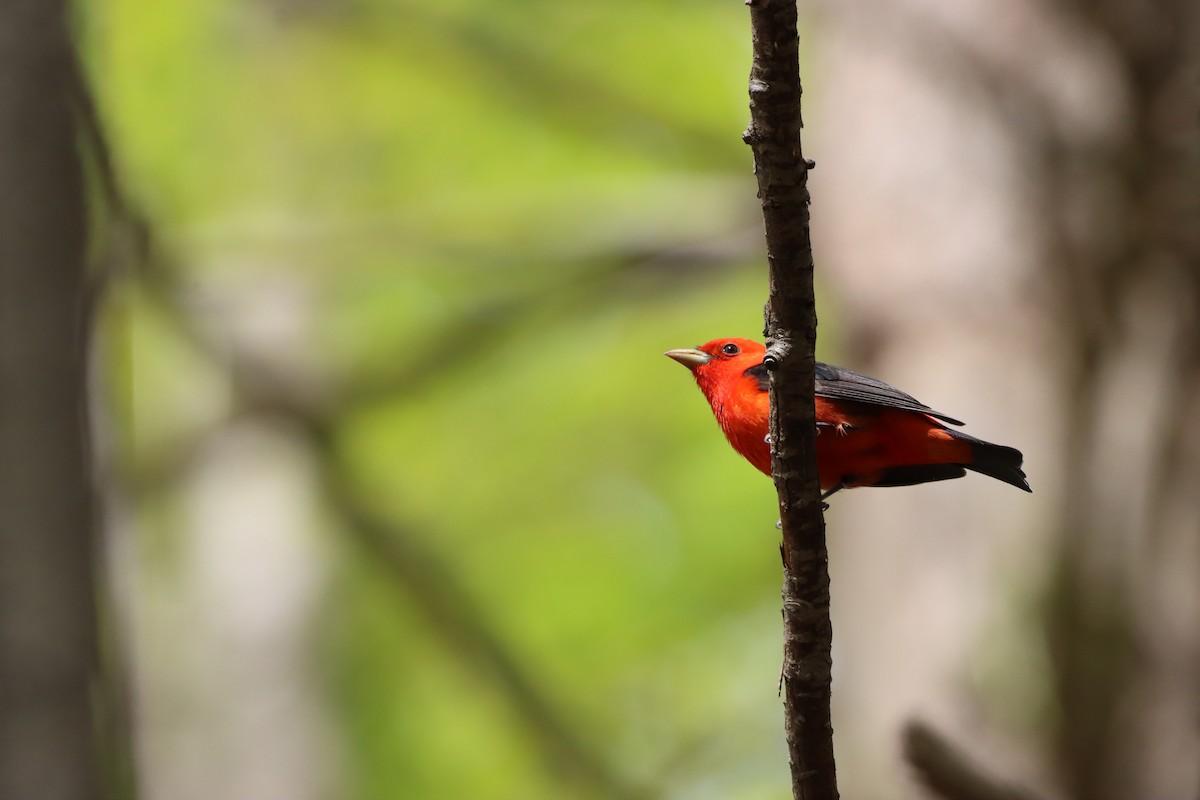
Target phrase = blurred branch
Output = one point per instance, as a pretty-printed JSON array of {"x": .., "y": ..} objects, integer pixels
[
  {"x": 398, "y": 551},
  {"x": 418, "y": 572},
  {"x": 948, "y": 772},
  {"x": 582, "y": 284},
  {"x": 546, "y": 85},
  {"x": 452, "y": 614},
  {"x": 791, "y": 330},
  {"x": 118, "y": 237}
]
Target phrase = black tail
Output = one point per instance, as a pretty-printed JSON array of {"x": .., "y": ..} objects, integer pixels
[{"x": 996, "y": 461}]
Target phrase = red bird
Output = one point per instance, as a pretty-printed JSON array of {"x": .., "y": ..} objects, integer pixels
[{"x": 869, "y": 433}]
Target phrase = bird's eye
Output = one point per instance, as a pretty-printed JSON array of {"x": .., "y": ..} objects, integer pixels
[{"x": 731, "y": 349}]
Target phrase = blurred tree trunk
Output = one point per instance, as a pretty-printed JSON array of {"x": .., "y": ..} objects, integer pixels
[
  {"x": 47, "y": 583},
  {"x": 1067, "y": 274},
  {"x": 1123, "y": 638}
]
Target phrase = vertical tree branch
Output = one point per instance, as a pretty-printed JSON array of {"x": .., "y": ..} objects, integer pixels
[
  {"x": 48, "y": 647},
  {"x": 791, "y": 327}
]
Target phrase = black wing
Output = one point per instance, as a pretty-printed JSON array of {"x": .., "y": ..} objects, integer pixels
[{"x": 837, "y": 383}]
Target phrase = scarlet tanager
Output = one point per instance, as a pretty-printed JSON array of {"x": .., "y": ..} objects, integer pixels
[{"x": 868, "y": 433}]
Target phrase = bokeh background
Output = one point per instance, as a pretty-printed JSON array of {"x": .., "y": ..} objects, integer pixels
[{"x": 404, "y": 501}]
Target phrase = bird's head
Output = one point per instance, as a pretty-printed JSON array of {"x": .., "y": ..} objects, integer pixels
[{"x": 721, "y": 362}]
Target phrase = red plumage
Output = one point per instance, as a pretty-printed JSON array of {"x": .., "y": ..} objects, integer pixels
[{"x": 869, "y": 433}]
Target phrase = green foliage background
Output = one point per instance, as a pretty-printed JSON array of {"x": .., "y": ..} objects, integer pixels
[
  {"x": 417, "y": 263},
  {"x": 498, "y": 216}
]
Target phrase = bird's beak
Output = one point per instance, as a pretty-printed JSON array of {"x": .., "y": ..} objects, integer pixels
[{"x": 688, "y": 357}]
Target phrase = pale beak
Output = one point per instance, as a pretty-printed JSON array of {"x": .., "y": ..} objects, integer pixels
[{"x": 689, "y": 358}]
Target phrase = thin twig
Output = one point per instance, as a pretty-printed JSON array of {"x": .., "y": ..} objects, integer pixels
[{"x": 791, "y": 322}]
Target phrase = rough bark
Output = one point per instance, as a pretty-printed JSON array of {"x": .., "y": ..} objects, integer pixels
[{"x": 791, "y": 322}]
